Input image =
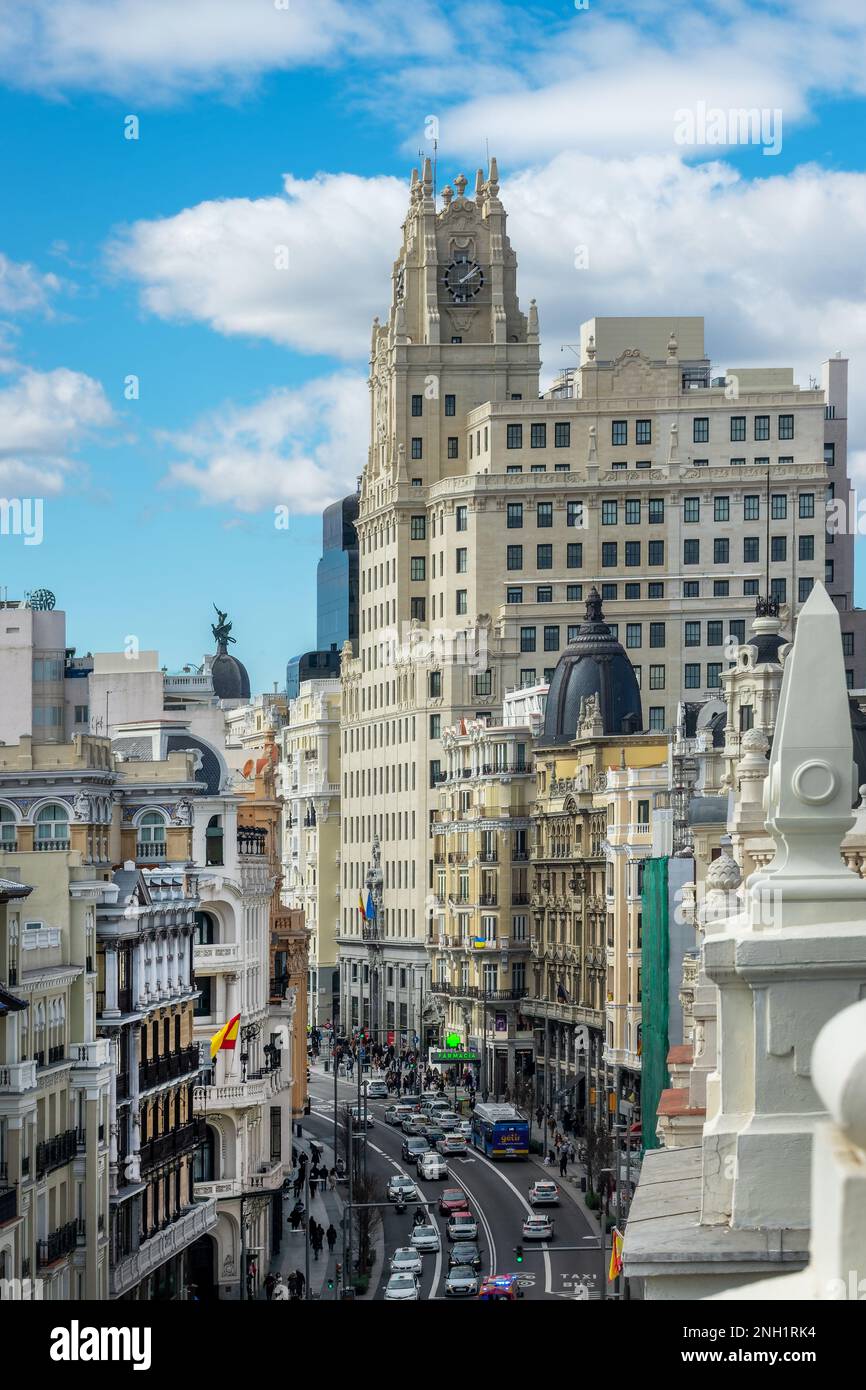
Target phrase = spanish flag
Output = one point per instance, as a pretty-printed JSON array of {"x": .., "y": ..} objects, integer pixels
[
  {"x": 226, "y": 1037},
  {"x": 361, "y": 905},
  {"x": 615, "y": 1255}
]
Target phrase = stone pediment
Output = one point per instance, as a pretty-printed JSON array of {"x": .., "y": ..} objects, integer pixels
[{"x": 633, "y": 374}]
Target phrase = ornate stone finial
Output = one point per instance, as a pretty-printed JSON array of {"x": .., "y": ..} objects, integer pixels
[
  {"x": 532, "y": 328},
  {"x": 590, "y": 347},
  {"x": 460, "y": 184},
  {"x": 493, "y": 178},
  {"x": 428, "y": 178},
  {"x": 593, "y": 606},
  {"x": 839, "y": 1071},
  {"x": 674, "y": 445},
  {"x": 479, "y": 186},
  {"x": 755, "y": 741},
  {"x": 414, "y": 178},
  {"x": 592, "y": 444},
  {"x": 811, "y": 782},
  {"x": 447, "y": 194},
  {"x": 673, "y": 345},
  {"x": 221, "y": 629},
  {"x": 767, "y": 607}
]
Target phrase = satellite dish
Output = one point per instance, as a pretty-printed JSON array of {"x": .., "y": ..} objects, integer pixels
[{"x": 248, "y": 767}]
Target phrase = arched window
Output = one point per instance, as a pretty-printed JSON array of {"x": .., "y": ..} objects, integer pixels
[
  {"x": 214, "y": 841},
  {"x": 205, "y": 931},
  {"x": 151, "y": 836},
  {"x": 8, "y": 833},
  {"x": 52, "y": 827}
]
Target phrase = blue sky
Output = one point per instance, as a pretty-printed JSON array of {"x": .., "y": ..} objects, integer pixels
[{"x": 264, "y": 123}]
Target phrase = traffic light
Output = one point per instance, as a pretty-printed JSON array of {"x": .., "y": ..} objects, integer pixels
[
  {"x": 518, "y": 1254},
  {"x": 330, "y": 1282}
]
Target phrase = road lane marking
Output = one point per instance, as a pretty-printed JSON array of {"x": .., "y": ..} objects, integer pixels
[
  {"x": 485, "y": 1223},
  {"x": 548, "y": 1284}
]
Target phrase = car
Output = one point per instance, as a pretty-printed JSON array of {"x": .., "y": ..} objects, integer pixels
[
  {"x": 412, "y": 1098},
  {"x": 359, "y": 1116},
  {"x": 500, "y": 1286},
  {"x": 396, "y": 1114},
  {"x": 462, "y": 1282},
  {"x": 401, "y": 1188},
  {"x": 538, "y": 1228},
  {"x": 406, "y": 1260},
  {"x": 377, "y": 1090},
  {"x": 465, "y": 1128},
  {"x": 448, "y": 1120},
  {"x": 414, "y": 1124},
  {"x": 435, "y": 1103},
  {"x": 425, "y": 1238},
  {"x": 544, "y": 1193},
  {"x": 413, "y": 1147},
  {"x": 451, "y": 1144},
  {"x": 462, "y": 1226},
  {"x": 464, "y": 1253},
  {"x": 402, "y": 1288},
  {"x": 432, "y": 1133},
  {"x": 432, "y": 1166},
  {"x": 453, "y": 1199}
]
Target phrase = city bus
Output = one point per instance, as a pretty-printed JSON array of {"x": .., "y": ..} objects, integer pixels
[{"x": 500, "y": 1131}]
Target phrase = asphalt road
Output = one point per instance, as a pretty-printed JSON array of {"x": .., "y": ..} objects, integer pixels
[{"x": 497, "y": 1194}]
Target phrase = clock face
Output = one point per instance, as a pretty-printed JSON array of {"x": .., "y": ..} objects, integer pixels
[{"x": 463, "y": 279}]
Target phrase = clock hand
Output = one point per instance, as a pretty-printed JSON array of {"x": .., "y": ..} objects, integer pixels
[{"x": 473, "y": 271}]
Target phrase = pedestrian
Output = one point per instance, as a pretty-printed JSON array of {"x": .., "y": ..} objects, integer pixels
[
  {"x": 331, "y": 1237},
  {"x": 563, "y": 1163},
  {"x": 297, "y": 1185},
  {"x": 270, "y": 1285},
  {"x": 314, "y": 1182},
  {"x": 301, "y": 1283},
  {"x": 278, "y": 1292},
  {"x": 316, "y": 1241},
  {"x": 572, "y": 1152},
  {"x": 292, "y": 1285},
  {"x": 332, "y": 1180},
  {"x": 539, "y": 1116}
]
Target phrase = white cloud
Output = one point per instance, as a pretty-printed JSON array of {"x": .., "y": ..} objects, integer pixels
[
  {"x": 44, "y": 419},
  {"x": 23, "y": 288},
  {"x": 165, "y": 48},
  {"x": 300, "y": 448},
  {"x": 222, "y": 263}
]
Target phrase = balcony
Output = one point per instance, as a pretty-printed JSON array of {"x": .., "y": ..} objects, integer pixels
[
  {"x": 150, "y": 850},
  {"x": 210, "y": 957},
  {"x": 49, "y": 846},
  {"x": 90, "y": 1054},
  {"x": 172, "y": 1145},
  {"x": 488, "y": 856},
  {"x": 488, "y": 900},
  {"x": 16, "y": 1077},
  {"x": 54, "y": 1153},
  {"x": 8, "y": 1205},
  {"x": 252, "y": 842},
  {"x": 195, "y": 1221},
  {"x": 161, "y": 1069},
  {"x": 58, "y": 1244},
  {"x": 239, "y": 1096},
  {"x": 519, "y": 899}
]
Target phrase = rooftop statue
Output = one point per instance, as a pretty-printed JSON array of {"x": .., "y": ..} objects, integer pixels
[{"x": 221, "y": 628}]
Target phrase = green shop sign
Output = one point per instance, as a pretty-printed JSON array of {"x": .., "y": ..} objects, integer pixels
[{"x": 455, "y": 1055}]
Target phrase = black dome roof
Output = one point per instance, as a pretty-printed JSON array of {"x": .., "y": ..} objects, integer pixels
[
  {"x": 595, "y": 663},
  {"x": 230, "y": 679}
]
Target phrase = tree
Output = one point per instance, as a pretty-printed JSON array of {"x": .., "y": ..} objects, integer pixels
[
  {"x": 366, "y": 1219},
  {"x": 599, "y": 1152}
]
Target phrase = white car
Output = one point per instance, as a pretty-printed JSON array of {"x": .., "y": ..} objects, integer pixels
[
  {"x": 425, "y": 1238},
  {"x": 406, "y": 1260},
  {"x": 462, "y": 1226},
  {"x": 448, "y": 1120},
  {"x": 465, "y": 1128},
  {"x": 400, "y": 1187},
  {"x": 432, "y": 1166},
  {"x": 462, "y": 1282},
  {"x": 544, "y": 1193},
  {"x": 451, "y": 1144},
  {"x": 435, "y": 1104},
  {"x": 538, "y": 1228},
  {"x": 377, "y": 1090},
  {"x": 402, "y": 1288},
  {"x": 362, "y": 1117},
  {"x": 396, "y": 1114}
]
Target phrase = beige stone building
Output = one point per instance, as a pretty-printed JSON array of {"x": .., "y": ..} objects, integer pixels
[
  {"x": 486, "y": 512},
  {"x": 479, "y": 933}
]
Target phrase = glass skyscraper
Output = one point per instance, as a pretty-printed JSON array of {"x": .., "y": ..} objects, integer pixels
[{"x": 336, "y": 597}]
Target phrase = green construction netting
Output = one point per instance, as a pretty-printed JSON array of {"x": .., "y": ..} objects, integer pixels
[{"x": 655, "y": 1076}]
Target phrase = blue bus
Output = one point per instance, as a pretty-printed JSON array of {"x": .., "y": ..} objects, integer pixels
[{"x": 500, "y": 1131}]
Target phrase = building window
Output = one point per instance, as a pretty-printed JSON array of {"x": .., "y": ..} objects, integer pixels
[
  {"x": 829, "y": 568},
  {"x": 619, "y": 432},
  {"x": 721, "y": 550},
  {"x": 656, "y": 511},
  {"x": 751, "y": 550},
  {"x": 657, "y": 718},
  {"x": 715, "y": 633},
  {"x": 461, "y": 518},
  {"x": 544, "y": 593},
  {"x": 779, "y": 589},
  {"x": 544, "y": 557},
  {"x": 778, "y": 549},
  {"x": 693, "y": 635},
  {"x": 721, "y": 509},
  {"x": 829, "y": 455},
  {"x": 632, "y": 511},
  {"x": 806, "y": 548},
  {"x": 573, "y": 593},
  {"x": 417, "y": 567},
  {"x": 632, "y": 591},
  {"x": 632, "y": 554},
  {"x": 418, "y": 528},
  {"x": 714, "y": 675},
  {"x": 737, "y": 629},
  {"x": 562, "y": 434},
  {"x": 692, "y": 670},
  {"x": 514, "y": 516},
  {"x": 450, "y": 405},
  {"x": 701, "y": 431},
  {"x": 721, "y": 588},
  {"x": 762, "y": 427},
  {"x": 807, "y": 504},
  {"x": 527, "y": 677},
  {"x": 691, "y": 509},
  {"x": 418, "y": 609},
  {"x": 417, "y": 405},
  {"x": 538, "y": 436},
  {"x": 655, "y": 588},
  {"x": 655, "y": 554},
  {"x": 847, "y": 644},
  {"x": 435, "y": 684},
  {"x": 574, "y": 514},
  {"x": 514, "y": 594},
  {"x": 551, "y": 639},
  {"x": 643, "y": 813},
  {"x": 609, "y": 591},
  {"x": 538, "y": 468},
  {"x": 657, "y": 634},
  {"x": 750, "y": 587},
  {"x": 691, "y": 552},
  {"x": 633, "y": 633},
  {"x": 691, "y": 588},
  {"x": 643, "y": 432},
  {"x": 514, "y": 436},
  {"x": 527, "y": 639},
  {"x": 544, "y": 514},
  {"x": 608, "y": 554},
  {"x": 657, "y": 677},
  {"x": 751, "y": 507},
  {"x": 738, "y": 428},
  {"x": 738, "y": 463},
  {"x": 514, "y": 557},
  {"x": 416, "y": 447},
  {"x": 778, "y": 507},
  {"x": 453, "y": 446},
  {"x": 608, "y": 514},
  {"x": 462, "y": 559},
  {"x": 436, "y": 726},
  {"x": 786, "y": 427},
  {"x": 82, "y": 714},
  {"x": 52, "y": 825},
  {"x": 436, "y": 773},
  {"x": 804, "y": 589},
  {"x": 483, "y": 683},
  {"x": 574, "y": 555},
  {"x": 460, "y": 602}
]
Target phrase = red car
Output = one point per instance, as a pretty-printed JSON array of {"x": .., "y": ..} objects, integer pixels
[{"x": 453, "y": 1199}]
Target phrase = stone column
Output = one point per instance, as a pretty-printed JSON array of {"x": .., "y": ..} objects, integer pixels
[{"x": 111, "y": 1009}]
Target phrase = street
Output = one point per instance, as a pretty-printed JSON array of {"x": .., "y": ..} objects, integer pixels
[{"x": 497, "y": 1196}]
